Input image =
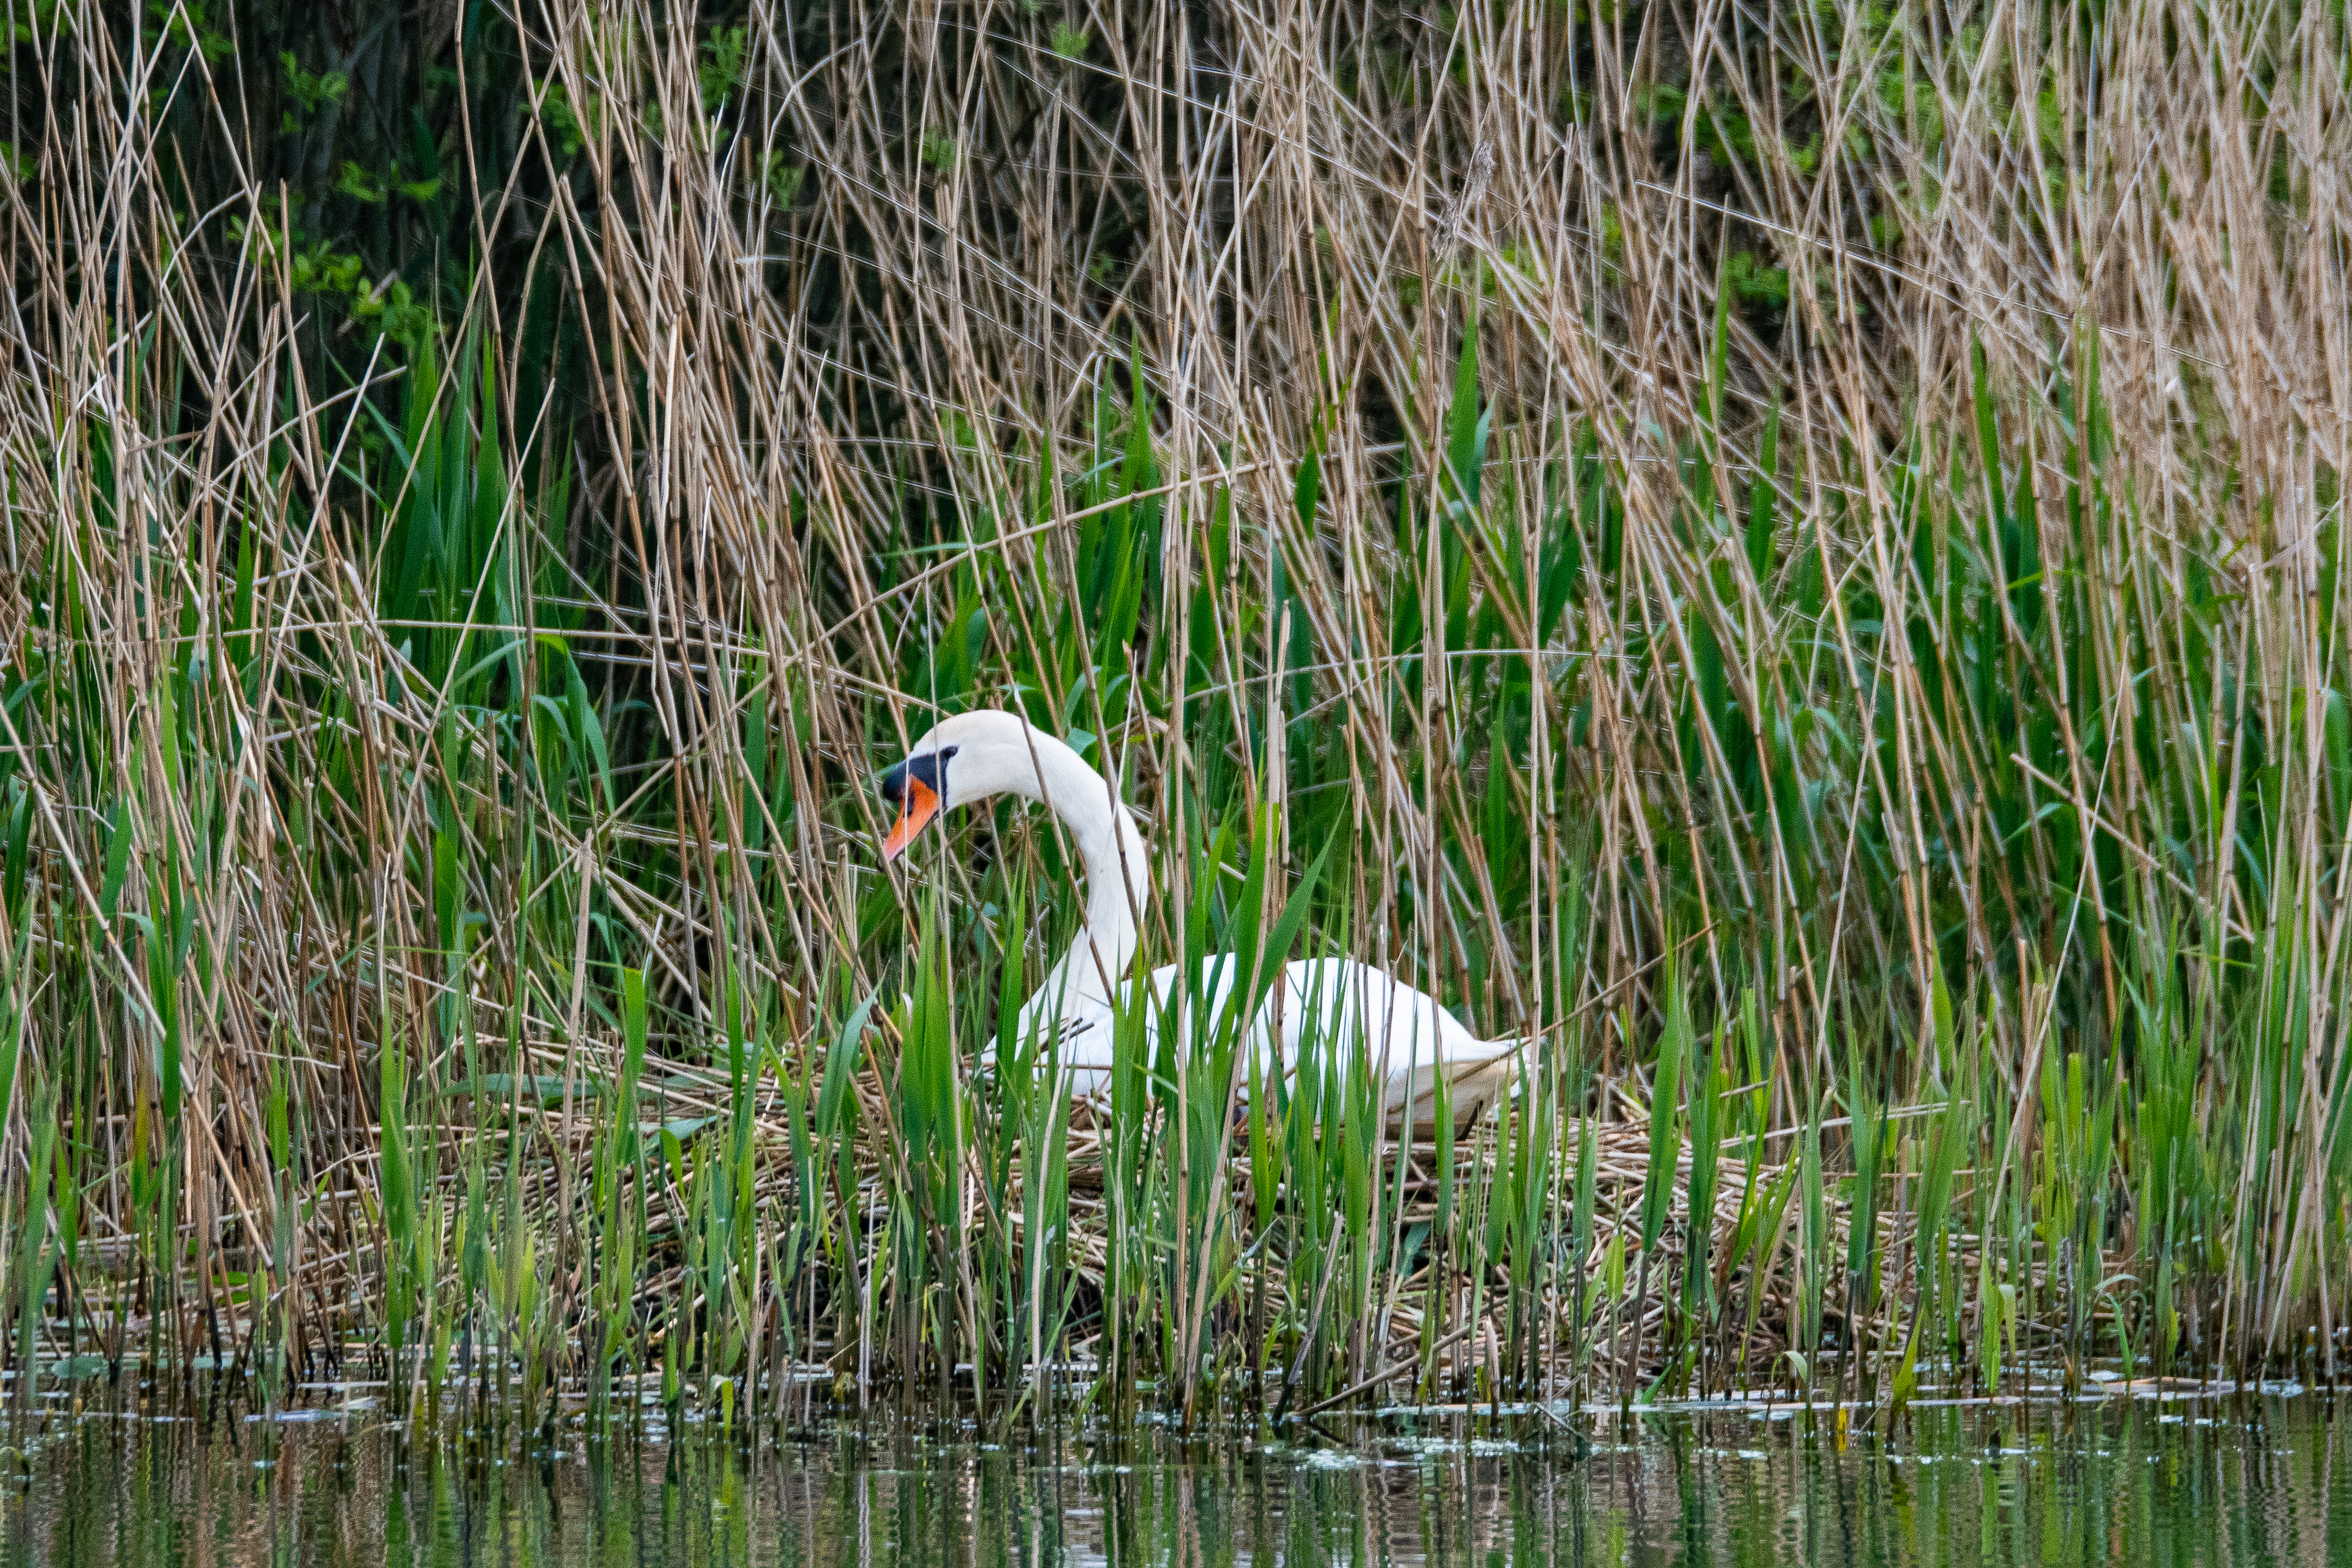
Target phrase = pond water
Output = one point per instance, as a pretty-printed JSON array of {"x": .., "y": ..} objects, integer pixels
[{"x": 2240, "y": 1480}]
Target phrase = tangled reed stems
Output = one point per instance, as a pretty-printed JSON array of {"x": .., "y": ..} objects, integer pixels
[{"x": 1789, "y": 555}]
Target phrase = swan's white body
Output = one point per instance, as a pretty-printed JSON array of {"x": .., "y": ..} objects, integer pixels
[
  {"x": 1324, "y": 1010},
  {"x": 1319, "y": 1006}
]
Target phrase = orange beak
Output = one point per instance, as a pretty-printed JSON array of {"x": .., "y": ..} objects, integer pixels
[{"x": 920, "y": 805}]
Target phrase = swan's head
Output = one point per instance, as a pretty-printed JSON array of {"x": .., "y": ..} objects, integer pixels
[{"x": 966, "y": 760}]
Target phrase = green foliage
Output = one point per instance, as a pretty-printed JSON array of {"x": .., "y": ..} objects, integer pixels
[
  {"x": 570, "y": 127},
  {"x": 311, "y": 91},
  {"x": 721, "y": 70},
  {"x": 1757, "y": 285},
  {"x": 188, "y": 24}
]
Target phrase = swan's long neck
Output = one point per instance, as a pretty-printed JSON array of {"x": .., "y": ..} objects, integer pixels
[{"x": 1119, "y": 879}]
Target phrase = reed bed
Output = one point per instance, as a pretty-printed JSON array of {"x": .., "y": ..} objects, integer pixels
[{"x": 1789, "y": 556}]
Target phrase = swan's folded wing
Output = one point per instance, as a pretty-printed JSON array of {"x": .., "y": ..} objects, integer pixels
[{"x": 1472, "y": 1083}]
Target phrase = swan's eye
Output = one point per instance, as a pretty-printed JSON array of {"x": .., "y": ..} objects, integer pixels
[
  {"x": 931, "y": 769},
  {"x": 918, "y": 788}
]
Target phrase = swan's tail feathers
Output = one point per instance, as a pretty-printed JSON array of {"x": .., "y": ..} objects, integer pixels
[{"x": 1474, "y": 1081}]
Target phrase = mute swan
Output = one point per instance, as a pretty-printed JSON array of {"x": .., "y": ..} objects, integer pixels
[{"x": 1410, "y": 1037}]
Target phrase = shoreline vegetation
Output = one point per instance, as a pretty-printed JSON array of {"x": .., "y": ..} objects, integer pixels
[{"x": 1791, "y": 555}]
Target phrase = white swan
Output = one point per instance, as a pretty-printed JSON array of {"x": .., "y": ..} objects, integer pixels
[{"x": 1408, "y": 1037}]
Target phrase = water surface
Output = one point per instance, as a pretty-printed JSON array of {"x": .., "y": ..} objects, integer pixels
[{"x": 2252, "y": 1481}]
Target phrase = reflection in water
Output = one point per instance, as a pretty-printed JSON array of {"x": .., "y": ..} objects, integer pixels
[{"x": 2124, "y": 1482}]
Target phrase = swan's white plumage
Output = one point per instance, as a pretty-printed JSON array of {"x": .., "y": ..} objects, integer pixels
[
  {"x": 1323, "y": 1009},
  {"x": 1320, "y": 1006}
]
